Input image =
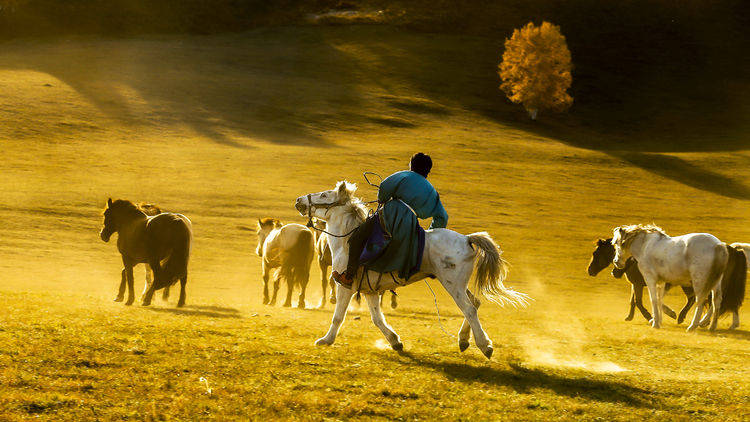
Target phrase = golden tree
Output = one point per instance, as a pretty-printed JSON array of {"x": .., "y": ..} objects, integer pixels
[{"x": 536, "y": 68}]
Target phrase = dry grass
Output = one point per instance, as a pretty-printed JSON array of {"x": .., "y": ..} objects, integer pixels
[{"x": 229, "y": 128}]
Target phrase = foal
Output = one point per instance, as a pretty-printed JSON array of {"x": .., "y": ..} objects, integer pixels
[{"x": 602, "y": 258}]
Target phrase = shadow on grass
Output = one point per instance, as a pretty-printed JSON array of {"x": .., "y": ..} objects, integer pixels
[
  {"x": 679, "y": 170},
  {"x": 213, "y": 308},
  {"x": 524, "y": 380},
  {"x": 196, "y": 311},
  {"x": 738, "y": 334}
]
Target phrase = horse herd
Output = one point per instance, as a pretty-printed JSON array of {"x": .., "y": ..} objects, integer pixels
[{"x": 709, "y": 271}]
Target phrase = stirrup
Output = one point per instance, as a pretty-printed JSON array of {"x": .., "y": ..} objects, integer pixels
[{"x": 343, "y": 279}]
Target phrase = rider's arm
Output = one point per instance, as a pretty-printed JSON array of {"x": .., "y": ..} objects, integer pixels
[
  {"x": 439, "y": 216},
  {"x": 387, "y": 189}
]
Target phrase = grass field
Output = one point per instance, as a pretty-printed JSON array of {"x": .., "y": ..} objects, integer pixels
[{"x": 229, "y": 128}]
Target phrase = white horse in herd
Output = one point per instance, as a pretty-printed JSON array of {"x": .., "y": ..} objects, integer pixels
[
  {"x": 699, "y": 260},
  {"x": 449, "y": 256},
  {"x": 290, "y": 250}
]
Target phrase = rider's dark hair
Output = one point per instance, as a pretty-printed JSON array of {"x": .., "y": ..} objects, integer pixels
[{"x": 421, "y": 163}]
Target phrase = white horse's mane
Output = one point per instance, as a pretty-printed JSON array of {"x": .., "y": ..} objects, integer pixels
[
  {"x": 630, "y": 232},
  {"x": 356, "y": 207}
]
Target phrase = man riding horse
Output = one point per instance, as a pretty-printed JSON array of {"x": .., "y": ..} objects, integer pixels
[{"x": 401, "y": 195}]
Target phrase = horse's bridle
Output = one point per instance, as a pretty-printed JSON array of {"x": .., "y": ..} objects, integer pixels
[{"x": 327, "y": 207}]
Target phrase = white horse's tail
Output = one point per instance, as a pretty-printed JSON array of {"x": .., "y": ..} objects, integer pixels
[{"x": 491, "y": 269}]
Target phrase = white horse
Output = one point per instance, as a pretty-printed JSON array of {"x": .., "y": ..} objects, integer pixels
[
  {"x": 289, "y": 248},
  {"x": 699, "y": 260},
  {"x": 448, "y": 255}
]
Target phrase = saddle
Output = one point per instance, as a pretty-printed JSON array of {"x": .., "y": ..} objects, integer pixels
[{"x": 379, "y": 239}]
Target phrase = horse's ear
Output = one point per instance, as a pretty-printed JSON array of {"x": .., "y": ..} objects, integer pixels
[
  {"x": 342, "y": 187},
  {"x": 109, "y": 202},
  {"x": 601, "y": 242}
]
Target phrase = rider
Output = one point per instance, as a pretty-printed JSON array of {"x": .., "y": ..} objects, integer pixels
[{"x": 408, "y": 186}]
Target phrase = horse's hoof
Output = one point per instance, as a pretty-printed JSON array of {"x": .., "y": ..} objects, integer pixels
[
  {"x": 322, "y": 342},
  {"x": 287, "y": 305},
  {"x": 119, "y": 299},
  {"x": 144, "y": 303},
  {"x": 129, "y": 302},
  {"x": 488, "y": 352},
  {"x": 332, "y": 300},
  {"x": 690, "y": 328},
  {"x": 399, "y": 347},
  {"x": 463, "y": 345},
  {"x": 705, "y": 324},
  {"x": 732, "y": 327},
  {"x": 628, "y": 318},
  {"x": 180, "y": 304},
  {"x": 301, "y": 305}
]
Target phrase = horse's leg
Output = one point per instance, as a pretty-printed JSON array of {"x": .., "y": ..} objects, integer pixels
[
  {"x": 121, "y": 292},
  {"x": 303, "y": 280},
  {"x": 638, "y": 293},
  {"x": 666, "y": 309},
  {"x": 165, "y": 294},
  {"x": 323, "y": 283},
  {"x": 332, "y": 283},
  {"x": 716, "y": 302},
  {"x": 735, "y": 319},
  {"x": 343, "y": 297},
  {"x": 183, "y": 282},
  {"x": 653, "y": 292},
  {"x": 465, "y": 331},
  {"x": 470, "y": 313},
  {"x": 290, "y": 282},
  {"x": 394, "y": 301},
  {"x": 709, "y": 313},
  {"x": 149, "y": 280},
  {"x": 632, "y": 304},
  {"x": 276, "y": 284},
  {"x": 131, "y": 284},
  {"x": 266, "y": 274},
  {"x": 373, "y": 302},
  {"x": 690, "y": 301},
  {"x": 157, "y": 272},
  {"x": 700, "y": 300}
]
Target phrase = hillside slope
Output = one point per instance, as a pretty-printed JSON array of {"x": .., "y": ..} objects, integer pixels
[{"x": 229, "y": 128}]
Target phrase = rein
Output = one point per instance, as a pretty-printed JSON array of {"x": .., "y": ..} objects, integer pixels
[
  {"x": 326, "y": 206},
  {"x": 336, "y": 204}
]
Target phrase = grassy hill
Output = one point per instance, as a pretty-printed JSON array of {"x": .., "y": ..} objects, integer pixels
[{"x": 228, "y": 128}]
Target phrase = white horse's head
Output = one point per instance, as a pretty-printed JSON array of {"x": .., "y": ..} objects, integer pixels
[
  {"x": 319, "y": 204},
  {"x": 622, "y": 253},
  {"x": 265, "y": 227}
]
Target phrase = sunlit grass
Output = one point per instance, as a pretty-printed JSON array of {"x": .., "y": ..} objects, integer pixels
[{"x": 241, "y": 126}]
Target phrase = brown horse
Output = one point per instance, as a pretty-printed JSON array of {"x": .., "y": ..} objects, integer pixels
[
  {"x": 602, "y": 258},
  {"x": 151, "y": 210},
  {"x": 162, "y": 241}
]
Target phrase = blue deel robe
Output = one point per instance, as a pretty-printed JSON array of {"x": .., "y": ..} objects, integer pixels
[{"x": 403, "y": 253}]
